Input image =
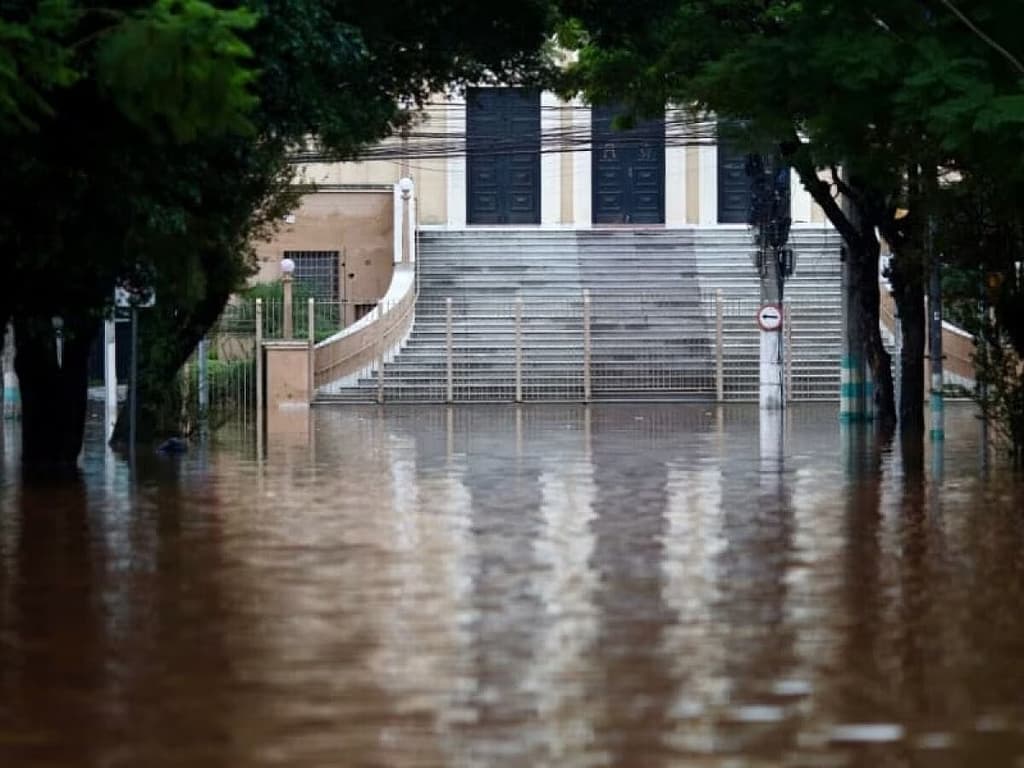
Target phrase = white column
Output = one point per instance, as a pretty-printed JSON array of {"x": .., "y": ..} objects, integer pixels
[
  {"x": 550, "y": 159},
  {"x": 397, "y": 224},
  {"x": 708, "y": 185},
  {"x": 110, "y": 376},
  {"x": 581, "y": 190},
  {"x": 405, "y": 221},
  {"x": 412, "y": 227},
  {"x": 799, "y": 200},
  {"x": 675, "y": 168},
  {"x": 456, "y": 176}
]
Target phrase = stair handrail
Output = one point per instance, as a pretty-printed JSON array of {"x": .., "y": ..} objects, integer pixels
[{"x": 378, "y": 335}]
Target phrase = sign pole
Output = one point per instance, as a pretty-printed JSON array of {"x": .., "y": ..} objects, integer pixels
[
  {"x": 133, "y": 384},
  {"x": 110, "y": 375},
  {"x": 769, "y": 319}
]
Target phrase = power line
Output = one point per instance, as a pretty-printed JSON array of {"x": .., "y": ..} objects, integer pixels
[{"x": 427, "y": 145}]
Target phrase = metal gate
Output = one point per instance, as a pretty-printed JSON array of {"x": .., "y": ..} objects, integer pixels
[
  {"x": 503, "y": 156},
  {"x": 628, "y": 170}
]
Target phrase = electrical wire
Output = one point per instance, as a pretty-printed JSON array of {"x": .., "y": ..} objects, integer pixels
[{"x": 419, "y": 142}]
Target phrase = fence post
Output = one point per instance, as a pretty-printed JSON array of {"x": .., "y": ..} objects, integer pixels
[
  {"x": 586, "y": 345},
  {"x": 311, "y": 333},
  {"x": 449, "y": 390},
  {"x": 203, "y": 385},
  {"x": 719, "y": 347},
  {"x": 380, "y": 358},
  {"x": 519, "y": 349},
  {"x": 259, "y": 375},
  {"x": 787, "y": 347}
]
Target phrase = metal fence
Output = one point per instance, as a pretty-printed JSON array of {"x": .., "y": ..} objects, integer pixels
[
  {"x": 600, "y": 346},
  {"x": 220, "y": 378}
]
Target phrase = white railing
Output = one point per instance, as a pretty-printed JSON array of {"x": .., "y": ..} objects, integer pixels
[{"x": 340, "y": 360}]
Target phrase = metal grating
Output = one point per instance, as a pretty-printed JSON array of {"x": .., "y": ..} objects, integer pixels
[{"x": 317, "y": 272}]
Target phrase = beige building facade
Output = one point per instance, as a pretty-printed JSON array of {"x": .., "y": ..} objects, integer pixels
[{"x": 575, "y": 173}]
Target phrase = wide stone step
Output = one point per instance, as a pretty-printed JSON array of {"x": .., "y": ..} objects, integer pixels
[{"x": 653, "y": 317}]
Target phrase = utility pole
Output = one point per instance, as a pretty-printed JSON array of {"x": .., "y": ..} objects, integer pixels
[
  {"x": 110, "y": 375},
  {"x": 938, "y": 430},
  {"x": 770, "y": 215}
]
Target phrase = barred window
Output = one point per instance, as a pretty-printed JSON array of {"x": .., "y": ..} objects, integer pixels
[{"x": 317, "y": 272}]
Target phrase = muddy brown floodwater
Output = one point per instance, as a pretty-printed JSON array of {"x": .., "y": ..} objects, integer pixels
[{"x": 633, "y": 586}]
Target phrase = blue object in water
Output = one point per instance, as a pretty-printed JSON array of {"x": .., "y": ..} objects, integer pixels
[
  {"x": 11, "y": 402},
  {"x": 173, "y": 445}
]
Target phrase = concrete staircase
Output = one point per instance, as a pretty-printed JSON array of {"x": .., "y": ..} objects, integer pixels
[{"x": 652, "y": 315}]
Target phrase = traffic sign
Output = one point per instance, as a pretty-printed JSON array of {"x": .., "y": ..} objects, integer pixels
[
  {"x": 769, "y": 317},
  {"x": 142, "y": 298}
]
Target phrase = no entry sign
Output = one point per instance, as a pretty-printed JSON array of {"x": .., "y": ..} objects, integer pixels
[{"x": 769, "y": 317}]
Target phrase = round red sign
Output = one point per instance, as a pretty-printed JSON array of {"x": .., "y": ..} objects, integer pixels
[{"x": 769, "y": 317}]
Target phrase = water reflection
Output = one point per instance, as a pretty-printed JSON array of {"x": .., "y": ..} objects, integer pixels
[{"x": 655, "y": 585}]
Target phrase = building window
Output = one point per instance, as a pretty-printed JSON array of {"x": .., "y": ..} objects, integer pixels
[{"x": 317, "y": 272}]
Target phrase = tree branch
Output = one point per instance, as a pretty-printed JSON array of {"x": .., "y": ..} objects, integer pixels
[
  {"x": 985, "y": 38},
  {"x": 821, "y": 193},
  {"x": 845, "y": 189}
]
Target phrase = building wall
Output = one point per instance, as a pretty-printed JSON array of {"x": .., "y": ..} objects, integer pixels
[
  {"x": 691, "y": 189},
  {"x": 356, "y": 222}
]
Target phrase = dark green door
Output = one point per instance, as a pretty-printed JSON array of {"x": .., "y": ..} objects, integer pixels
[
  {"x": 628, "y": 168},
  {"x": 503, "y": 156}
]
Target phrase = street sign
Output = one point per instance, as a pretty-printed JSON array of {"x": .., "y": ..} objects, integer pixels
[
  {"x": 142, "y": 298},
  {"x": 769, "y": 317}
]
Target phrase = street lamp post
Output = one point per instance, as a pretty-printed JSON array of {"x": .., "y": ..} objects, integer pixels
[
  {"x": 405, "y": 221},
  {"x": 287, "y": 269}
]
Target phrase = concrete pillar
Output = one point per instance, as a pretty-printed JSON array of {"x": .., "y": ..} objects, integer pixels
[
  {"x": 799, "y": 200},
  {"x": 550, "y": 160},
  {"x": 581, "y": 168},
  {"x": 397, "y": 223},
  {"x": 456, "y": 177},
  {"x": 675, "y": 168},
  {"x": 287, "y": 364},
  {"x": 707, "y": 184}
]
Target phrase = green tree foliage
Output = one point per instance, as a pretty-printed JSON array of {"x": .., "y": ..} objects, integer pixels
[
  {"x": 33, "y": 61},
  {"x": 893, "y": 90},
  {"x": 982, "y": 232},
  {"x": 163, "y": 152},
  {"x": 179, "y": 68}
]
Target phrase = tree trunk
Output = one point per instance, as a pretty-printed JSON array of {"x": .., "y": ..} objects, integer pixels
[
  {"x": 910, "y": 305},
  {"x": 867, "y": 298},
  {"x": 166, "y": 339},
  {"x": 863, "y": 250},
  {"x": 53, "y": 397}
]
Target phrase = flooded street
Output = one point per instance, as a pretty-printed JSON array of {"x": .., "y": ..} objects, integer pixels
[{"x": 653, "y": 585}]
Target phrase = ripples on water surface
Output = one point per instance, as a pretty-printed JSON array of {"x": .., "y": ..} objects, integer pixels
[{"x": 640, "y": 586}]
